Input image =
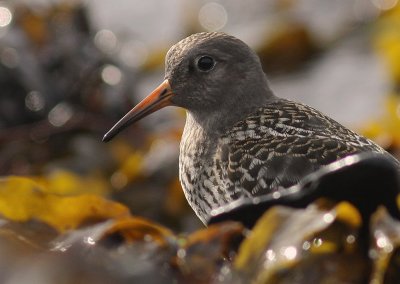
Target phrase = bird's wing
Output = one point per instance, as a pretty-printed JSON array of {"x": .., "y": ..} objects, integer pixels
[{"x": 282, "y": 143}]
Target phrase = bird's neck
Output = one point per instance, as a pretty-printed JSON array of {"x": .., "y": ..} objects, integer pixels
[
  {"x": 218, "y": 121},
  {"x": 196, "y": 144}
]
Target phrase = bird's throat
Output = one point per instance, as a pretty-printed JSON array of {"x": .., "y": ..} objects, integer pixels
[{"x": 217, "y": 122}]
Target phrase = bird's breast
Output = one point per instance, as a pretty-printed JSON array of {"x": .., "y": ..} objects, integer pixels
[{"x": 202, "y": 171}]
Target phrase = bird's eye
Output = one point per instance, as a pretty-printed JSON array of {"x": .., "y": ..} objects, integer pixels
[{"x": 205, "y": 63}]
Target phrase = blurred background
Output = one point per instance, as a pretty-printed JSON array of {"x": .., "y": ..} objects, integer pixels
[{"x": 70, "y": 69}]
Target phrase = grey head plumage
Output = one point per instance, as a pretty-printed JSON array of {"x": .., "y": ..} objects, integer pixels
[{"x": 219, "y": 96}]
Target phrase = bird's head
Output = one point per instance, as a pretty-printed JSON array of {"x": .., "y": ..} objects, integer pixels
[{"x": 207, "y": 74}]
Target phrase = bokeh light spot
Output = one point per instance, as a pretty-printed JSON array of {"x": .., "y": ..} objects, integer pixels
[
  {"x": 134, "y": 53},
  {"x": 213, "y": 16},
  {"x": 90, "y": 241},
  {"x": 383, "y": 243},
  {"x": 60, "y": 114},
  {"x": 111, "y": 75},
  {"x": 276, "y": 195},
  {"x": 384, "y": 4},
  {"x": 106, "y": 41},
  {"x": 34, "y": 101},
  {"x": 290, "y": 253},
  {"x": 119, "y": 180},
  {"x": 5, "y": 16},
  {"x": 350, "y": 239},
  {"x": 181, "y": 253},
  {"x": 328, "y": 218},
  {"x": 317, "y": 242},
  {"x": 270, "y": 255},
  {"x": 306, "y": 245}
]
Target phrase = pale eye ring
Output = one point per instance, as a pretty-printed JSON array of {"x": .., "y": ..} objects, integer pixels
[{"x": 205, "y": 63}]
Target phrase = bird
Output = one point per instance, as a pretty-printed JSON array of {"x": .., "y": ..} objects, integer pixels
[{"x": 240, "y": 140}]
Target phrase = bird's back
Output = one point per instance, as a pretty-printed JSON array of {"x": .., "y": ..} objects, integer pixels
[{"x": 282, "y": 142}]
